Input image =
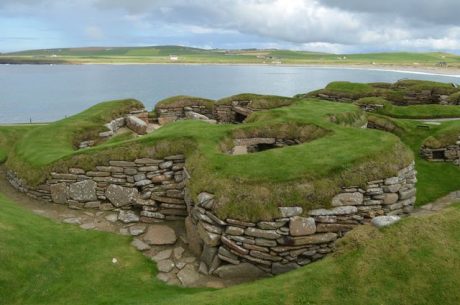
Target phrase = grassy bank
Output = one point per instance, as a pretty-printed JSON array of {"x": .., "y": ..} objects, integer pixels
[
  {"x": 413, "y": 262},
  {"x": 9, "y": 135}
]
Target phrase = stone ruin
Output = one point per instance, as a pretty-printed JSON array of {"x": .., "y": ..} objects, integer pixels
[
  {"x": 150, "y": 190},
  {"x": 137, "y": 121},
  {"x": 450, "y": 153},
  {"x": 234, "y": 112}
]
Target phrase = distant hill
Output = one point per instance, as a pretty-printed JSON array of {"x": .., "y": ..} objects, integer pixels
[{"x": 182, "y": 54}]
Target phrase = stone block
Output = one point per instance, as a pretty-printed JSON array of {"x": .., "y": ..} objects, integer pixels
[
  {"x": 342, "y": 199},
  {"x": 83, "y": 191},
  {"x": 299, "y": 226},
  {"x": 59, "y": 193},
  {"x": 137, "y": 125},
  {"x": 120, "y": 196}
]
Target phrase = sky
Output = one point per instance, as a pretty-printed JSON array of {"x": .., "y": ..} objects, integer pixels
[{"x": 337, "y": 26}]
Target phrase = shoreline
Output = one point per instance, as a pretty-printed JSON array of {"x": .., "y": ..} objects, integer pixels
[
  {"x": 420, "y": 70},
  {"x": 423, "y": 70}
]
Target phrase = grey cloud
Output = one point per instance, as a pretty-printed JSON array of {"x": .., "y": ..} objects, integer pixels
[
  {"x": 436, "y": 11},
  {"x": 336, "y": 24}
]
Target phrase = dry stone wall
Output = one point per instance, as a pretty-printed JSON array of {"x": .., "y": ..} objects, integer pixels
[
  {"x": 146, "y": 189},
  {"x": 171, "y": 114},
  {"x": 234, "y": 113},
  {"x": 450, "y": 153},
  {"x": 150, "y": 190},
  {"x": 295, "y": 238}
]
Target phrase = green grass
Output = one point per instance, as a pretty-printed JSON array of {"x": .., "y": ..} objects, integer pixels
[
  {"x": 184, "y": 101},
  {"x": 46, "y": 144},
  {"x": 43, "y": 262},
  {"x": 249, "y": 186},
  {"x": 9, "y": 135},
  {"x": 412, "y": 262}
]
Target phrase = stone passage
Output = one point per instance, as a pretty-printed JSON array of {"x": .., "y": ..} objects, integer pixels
[
  {"x": 252, "y": 145},
  {"x": 150, "y": 190}
]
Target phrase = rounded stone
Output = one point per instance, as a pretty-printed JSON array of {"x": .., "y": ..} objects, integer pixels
[{"x": 385, "y": 221}]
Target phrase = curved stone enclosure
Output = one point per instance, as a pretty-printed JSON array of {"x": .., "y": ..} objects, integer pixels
[
  {"x": 150, "y": 190},
  {"x": 297, "y": 237}
]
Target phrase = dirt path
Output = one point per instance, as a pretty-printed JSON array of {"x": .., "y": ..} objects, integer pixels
[
  {"x": 437, "y": 205},
  {"x": 176, "y": 263}
]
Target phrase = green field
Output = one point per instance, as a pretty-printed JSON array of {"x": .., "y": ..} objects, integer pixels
[{"x": 161, "y": 54}]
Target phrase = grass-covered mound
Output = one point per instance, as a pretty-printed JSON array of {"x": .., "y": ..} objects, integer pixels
[
  {"x": 248, "y": 186},
  {"x": 403, "y": 92},
  {"x": 431, "y": 111},
  {"x": 412, "y": 262},
  {"x": 181, "y": 101},
  {"x": 46, "y": 144},
  {"x": 257, "y": 101},
  {"x": 448, "y": 135}
]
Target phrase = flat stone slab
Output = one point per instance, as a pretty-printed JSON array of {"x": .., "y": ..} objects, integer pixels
[
  {"x": 188, "y": 276},
  {"x": 140, "y": 245},
  {"x": 243, "y": 270},
  {"x": 128, "y": 216},
  {"x": 166, "y": 265},
  {"x": 160, "y": 235}
]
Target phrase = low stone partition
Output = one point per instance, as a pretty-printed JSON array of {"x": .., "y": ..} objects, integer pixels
[
  {"x": 229, "y": 246},
  {"x": 171, "y": 113},
  {"x": 146, "y": 190}
]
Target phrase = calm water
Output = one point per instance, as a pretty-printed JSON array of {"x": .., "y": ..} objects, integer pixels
[{"x": 46, "y": 93}]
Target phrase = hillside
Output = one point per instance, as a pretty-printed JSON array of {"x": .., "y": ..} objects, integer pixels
[{"x": 179, "y": 54}]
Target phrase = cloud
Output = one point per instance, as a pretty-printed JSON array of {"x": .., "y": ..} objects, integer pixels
[
  {"x": 438, "y": 11},
  {"x": 324, "y": 25}
]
